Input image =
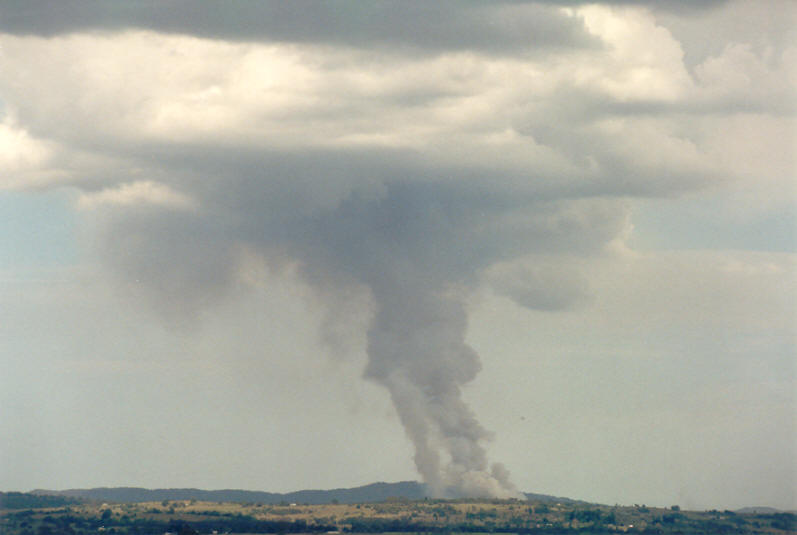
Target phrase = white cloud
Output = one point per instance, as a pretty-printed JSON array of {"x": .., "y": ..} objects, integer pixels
[
  {"x": 140, "y": 193},
  {"x": 508, "y": 115},
  {"x": 643, "y": 60},
  {"x": 536, "y": 284},
  {"x": 25, "y": 162}
]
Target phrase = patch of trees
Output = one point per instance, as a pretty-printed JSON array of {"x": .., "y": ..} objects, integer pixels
[
  {"x": 26, "y": 500},
  {"x": 110, "y": 525},
  {"x": 407, "y": 525},
  {"x": 249, "y": 524},
  {"x": 593, "y": 516},
  {"x": 784, "y": 521}
]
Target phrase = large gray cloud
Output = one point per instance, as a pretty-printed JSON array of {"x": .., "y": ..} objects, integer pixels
[
  {"x": 412, "y": 25},
  {"x": 436, "y": 26}
]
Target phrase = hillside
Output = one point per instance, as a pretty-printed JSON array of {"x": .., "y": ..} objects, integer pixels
[
  {"x": 27, "y": 500},
  {"x": 375, "y": 492}
]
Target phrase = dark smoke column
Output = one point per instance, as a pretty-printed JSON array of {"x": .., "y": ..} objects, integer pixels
[{"x": 417, "y": 351}]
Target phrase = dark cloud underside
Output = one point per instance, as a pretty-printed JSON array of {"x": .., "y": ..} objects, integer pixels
[{"x": 418, "y": 25}]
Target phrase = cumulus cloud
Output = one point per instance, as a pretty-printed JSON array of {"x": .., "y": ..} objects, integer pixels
[
  {"x": 593, "y": 121},
  {"x": 24, "y": 160},
  {"x": 532, "y": 284}
]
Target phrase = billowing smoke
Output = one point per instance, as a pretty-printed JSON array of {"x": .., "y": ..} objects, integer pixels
[
  {"x": 417, "y": 246},
  {"x": 417, "y": 351},
  {"x": 405, "y": 247}
]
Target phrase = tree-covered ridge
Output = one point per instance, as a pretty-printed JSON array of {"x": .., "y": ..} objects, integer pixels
[
  {"x": 374, "y": 492},
  {"x": 27, "y": 500}
]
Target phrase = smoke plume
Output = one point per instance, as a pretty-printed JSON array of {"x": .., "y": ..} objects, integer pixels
[
  {"x": 417, "y": 351},
  {"x": 417, "y": 246}
]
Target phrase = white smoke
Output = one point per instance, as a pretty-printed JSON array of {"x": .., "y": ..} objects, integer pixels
[{"x": 417, "y": 351}]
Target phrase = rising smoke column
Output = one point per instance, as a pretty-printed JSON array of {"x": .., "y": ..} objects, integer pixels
[
  {"x": 417, "y": 351},
  {"x": 413, "y": 247},
  {"x": 417, "y": 246}
]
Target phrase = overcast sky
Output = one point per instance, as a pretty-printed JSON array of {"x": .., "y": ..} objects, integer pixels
[{"x": 288, "y": 245}]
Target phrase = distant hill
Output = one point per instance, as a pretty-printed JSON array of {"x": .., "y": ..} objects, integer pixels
[
  {"x": 758, "y": 510},
  {"x": 27, "y": 500},
  {"x": 545, "y": 498},
  {"x": 375, "y": 492}
]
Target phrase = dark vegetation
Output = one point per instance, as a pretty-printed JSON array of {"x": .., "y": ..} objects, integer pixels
[
  {"x": 375, "y": 492},
  {"x": 394, "y": 515},
  {"x": 26, "y": 500}
]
